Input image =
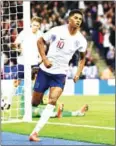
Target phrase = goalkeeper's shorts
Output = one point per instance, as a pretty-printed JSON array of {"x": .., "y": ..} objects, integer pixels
[{"x": 45, "y": 80}]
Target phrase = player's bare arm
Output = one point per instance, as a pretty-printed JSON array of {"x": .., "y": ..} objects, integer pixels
[
  {"x": 80, "y": 66},
  {"x": 41, "y": 48}
]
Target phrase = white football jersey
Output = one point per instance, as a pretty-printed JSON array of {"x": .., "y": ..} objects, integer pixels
[
  {"x": 28, "y": 41},
  {"x": 62, "y": 47}
]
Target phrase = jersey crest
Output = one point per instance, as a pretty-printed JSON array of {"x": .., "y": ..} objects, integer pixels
[{"x": 53, "y": 38}]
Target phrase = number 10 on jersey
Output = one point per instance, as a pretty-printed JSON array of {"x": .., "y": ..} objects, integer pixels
[{"x": 60, "y": 44}]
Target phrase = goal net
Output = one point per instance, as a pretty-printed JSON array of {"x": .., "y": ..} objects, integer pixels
[{"x": 15, "y": 100}]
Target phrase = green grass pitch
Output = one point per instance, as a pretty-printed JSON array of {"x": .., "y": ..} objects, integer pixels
[{"x": 97, "y": 126}]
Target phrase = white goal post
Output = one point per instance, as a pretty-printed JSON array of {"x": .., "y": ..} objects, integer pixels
[{"x": 27, "y": 69}]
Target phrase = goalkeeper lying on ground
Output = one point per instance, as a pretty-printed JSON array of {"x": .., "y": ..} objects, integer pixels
[{"x": 59, "y": 110}]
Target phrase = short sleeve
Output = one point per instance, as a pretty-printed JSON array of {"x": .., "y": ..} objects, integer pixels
[{"x": 83, "y": 46}]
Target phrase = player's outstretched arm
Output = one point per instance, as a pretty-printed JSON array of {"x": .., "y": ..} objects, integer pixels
[
  {"x": 41, "y": 49},
  {"x": 80, "y": 66}
]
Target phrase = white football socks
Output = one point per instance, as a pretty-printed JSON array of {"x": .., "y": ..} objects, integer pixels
[
  {"x": 78, "y": 113},
  {"x": 46, "y": 114}
]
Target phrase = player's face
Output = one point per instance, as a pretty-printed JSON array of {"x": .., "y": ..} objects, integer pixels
[
  {"x": 35, "y": 26},
  {"x": 75, "y": 20}
]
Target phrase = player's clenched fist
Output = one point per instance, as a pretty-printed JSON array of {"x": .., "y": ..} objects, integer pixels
[
  {"x": 47, "y": 63},
  {"x": 76, "y": 77}
]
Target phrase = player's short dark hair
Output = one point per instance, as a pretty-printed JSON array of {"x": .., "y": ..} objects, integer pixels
[{"x": 76, "y": 11}]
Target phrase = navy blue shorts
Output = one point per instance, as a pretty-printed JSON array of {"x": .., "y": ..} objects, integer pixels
[{"x": 45, "y": 80}]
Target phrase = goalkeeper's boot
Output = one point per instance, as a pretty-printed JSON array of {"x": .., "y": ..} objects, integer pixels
[{"x": 34, "y": 137}]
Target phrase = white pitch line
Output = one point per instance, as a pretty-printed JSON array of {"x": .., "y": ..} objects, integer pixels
[
  {"x": 76, "y": 125},
  {"x": 86, "y": 126},
  {"x": 66, "y": 124}
]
